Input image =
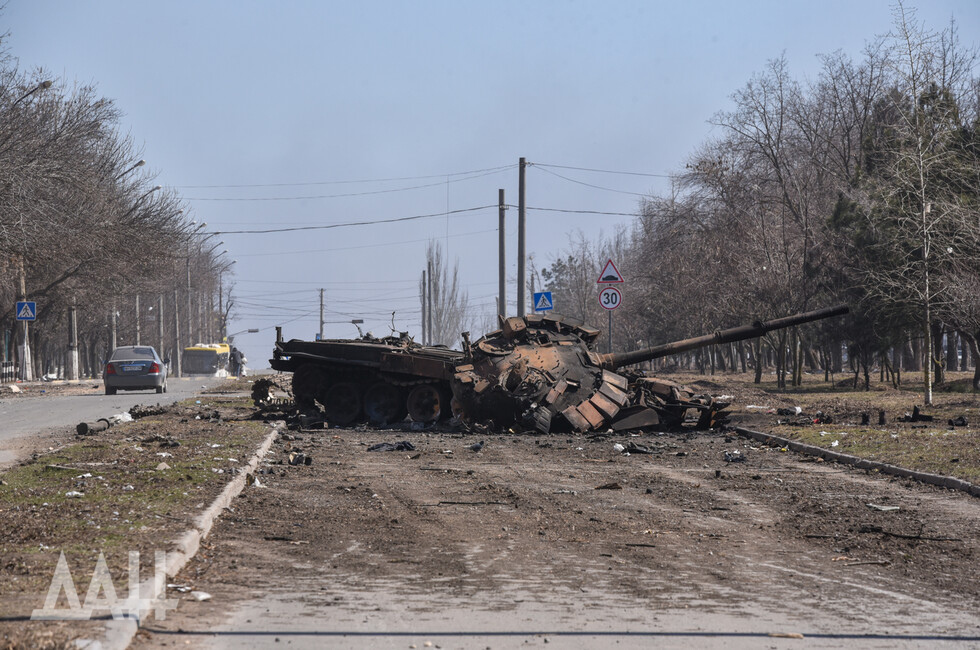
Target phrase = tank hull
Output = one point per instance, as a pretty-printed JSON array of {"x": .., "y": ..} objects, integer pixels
[{"x": 379, "y": 380}]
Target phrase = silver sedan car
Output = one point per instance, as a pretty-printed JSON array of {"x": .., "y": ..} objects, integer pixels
[{"x": 135, "y": 367}]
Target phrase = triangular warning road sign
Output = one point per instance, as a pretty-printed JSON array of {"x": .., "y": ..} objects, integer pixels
[
  {"x": 543, "y": 303},
  {"x": 25, "y": 312},
  {"x": 610, "y": 274}
]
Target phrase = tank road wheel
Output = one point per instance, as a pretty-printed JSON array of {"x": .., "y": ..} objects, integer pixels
[
  {"x": 426, "y": 403},
  {"x": 385, "y": 403},
  {"x": 341, "y": 403},
  {"x": 306, "y": 384}
]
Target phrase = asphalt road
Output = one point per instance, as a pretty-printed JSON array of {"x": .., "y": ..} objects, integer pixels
[{"x": 32, "y": 421}]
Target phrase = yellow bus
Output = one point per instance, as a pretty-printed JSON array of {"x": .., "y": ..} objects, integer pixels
[{"x": 209, "y": 359}]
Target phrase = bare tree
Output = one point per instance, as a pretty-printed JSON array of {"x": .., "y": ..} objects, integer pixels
[
  {"x": 449, "y": 301},
  {"x": 74, "y": 205},
  {"x": 571, "y": 278}
]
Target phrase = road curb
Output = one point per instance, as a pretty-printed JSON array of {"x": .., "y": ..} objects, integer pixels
[
  {"x": 119, "y": 633},
  {"x": 949, "y": 482}
]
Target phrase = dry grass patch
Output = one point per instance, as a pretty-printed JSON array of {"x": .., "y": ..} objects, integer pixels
[
  {"x": 934, "y": 446},
  {"x": 130, "y": 488}
]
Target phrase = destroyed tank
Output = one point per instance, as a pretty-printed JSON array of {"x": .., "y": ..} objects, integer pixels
[
  {"x": 542, "y": 372},
  {"x": 382, "y": 379},
  {"x": 536, "y": 372}
]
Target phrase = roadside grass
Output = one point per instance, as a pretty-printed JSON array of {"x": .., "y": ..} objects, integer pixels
[
  {"x": 930, "y": 446},
  {"x": 121, "y": 490},
  {"x": 948, "y": 452}
]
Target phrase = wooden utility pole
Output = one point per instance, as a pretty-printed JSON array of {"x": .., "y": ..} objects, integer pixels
[
  {"x": 502, "y": 254},
  {"x": 521, "y": 280}
]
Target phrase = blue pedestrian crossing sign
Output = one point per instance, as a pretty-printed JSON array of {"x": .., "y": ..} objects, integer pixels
[
  {"x": 26, "y": 310},
  {"x": 542, "y": 301}
]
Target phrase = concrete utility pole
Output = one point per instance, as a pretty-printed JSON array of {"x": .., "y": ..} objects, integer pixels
[
  {"x": 221, "y": 308},
  {"x": 137, "y": 319},
  {"x": 502, "y": 254},
  {"x": 321, "y": 314},
  {"x": 425, "y": 293},
  {"x": 190, "y": 311},
  {"x": 73, "y": 342},
  {"x": 160, "y": 323},
  {"x": 113, "y": 333},
  {"x": 176, "y": 359},
  {"x": 521, "y": 279},
  {"x": 26, "y": 367}
]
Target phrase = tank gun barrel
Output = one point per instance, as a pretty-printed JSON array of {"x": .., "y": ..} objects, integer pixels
[{"x": 759, "y": 328}]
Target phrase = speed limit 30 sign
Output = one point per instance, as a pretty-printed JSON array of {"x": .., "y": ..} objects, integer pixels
[{"x": 610, "y": 298}]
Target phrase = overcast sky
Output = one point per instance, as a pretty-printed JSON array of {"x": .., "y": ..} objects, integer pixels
[{"x": 287, "y": 113}]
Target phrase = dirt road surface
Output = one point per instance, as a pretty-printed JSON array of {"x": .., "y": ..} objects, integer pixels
[{"x": 565, "y": 542}]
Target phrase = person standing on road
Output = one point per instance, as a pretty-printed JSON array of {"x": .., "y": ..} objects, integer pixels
[{"x": 236, "y": 362}]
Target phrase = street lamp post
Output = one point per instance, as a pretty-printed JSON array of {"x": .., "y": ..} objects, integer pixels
[
  {"x": 222, "y": 318},
  {"x": 190, "y": 331},
  {"x": 176, "y": 333},
  {"x": 160, "y": 322},
  {"x": 138, "y": 164},
  {"x": 207, "y": 323},
  {"x": 190, "y": 313},
  {"x": 44, "y": 85},
  {"x": 213, "y": 318},
  {"x": 251, "y": 330},
  {"x": 211, "y": 250},
  {"x": 138, "y": 201}
]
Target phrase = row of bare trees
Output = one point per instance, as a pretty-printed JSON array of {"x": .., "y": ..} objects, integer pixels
[
  {"x": 88, "y": 236},
  {"x": 862, "y": 186}
]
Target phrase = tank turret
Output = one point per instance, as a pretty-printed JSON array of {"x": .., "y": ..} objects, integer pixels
[{"x": 542, "y": 372}]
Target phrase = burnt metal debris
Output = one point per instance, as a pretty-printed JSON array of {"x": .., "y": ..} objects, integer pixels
[{"x": 537, "y": 372}]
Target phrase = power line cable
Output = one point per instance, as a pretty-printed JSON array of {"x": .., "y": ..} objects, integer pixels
[
  {"x": 353, "y": 182},
  {"x": 597, "y": 187},
  {"x": 612, "y": 214},
  {"x": 411, "y": 218},
  {"x": 352, "y": 223},
  {"x": 603, "y": 171},
  {"x": 336, "y": 196},
  {"x": 322, "y": 282},
  {"x": 348, "y": 248}
]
